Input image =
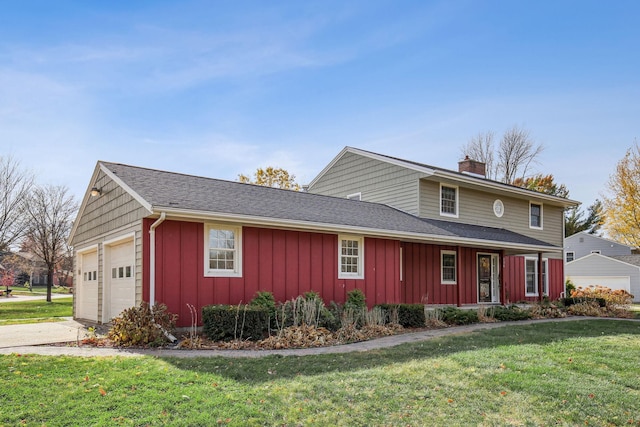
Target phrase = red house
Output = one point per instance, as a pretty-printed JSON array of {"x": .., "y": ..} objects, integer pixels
[{"x": 441, "y": 237}]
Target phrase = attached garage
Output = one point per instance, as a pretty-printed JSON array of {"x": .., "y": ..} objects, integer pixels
[
  {"x": 86, "y": 297},
  {"x": 119, "y": 283}
]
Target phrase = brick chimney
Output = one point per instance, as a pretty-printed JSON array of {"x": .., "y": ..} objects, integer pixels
[{"x": 472, "y": 167}]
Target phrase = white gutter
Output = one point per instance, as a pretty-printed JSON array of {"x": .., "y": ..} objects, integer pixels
[
  {"x": 152, "y": 270},
  {"x": 152, "y": 258}
]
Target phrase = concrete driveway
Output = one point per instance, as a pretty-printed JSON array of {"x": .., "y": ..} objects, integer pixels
[{"x": 41, "y": 333}]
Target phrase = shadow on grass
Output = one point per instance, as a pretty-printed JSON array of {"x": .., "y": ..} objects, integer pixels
[{"x": 269, "y": 368}]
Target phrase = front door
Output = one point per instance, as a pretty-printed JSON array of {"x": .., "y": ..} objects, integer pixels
[{"x": 488, "y": 278}]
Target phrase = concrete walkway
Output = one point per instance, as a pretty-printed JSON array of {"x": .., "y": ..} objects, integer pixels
[
  {"x": 22, "y": 339},
  {"x": 36, "y": 297}
]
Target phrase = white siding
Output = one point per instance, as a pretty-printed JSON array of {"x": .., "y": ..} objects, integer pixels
[{"x": 599, "y": 266}]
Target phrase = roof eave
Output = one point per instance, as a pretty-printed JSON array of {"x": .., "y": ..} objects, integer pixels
[{"x": 338, "y": 228}]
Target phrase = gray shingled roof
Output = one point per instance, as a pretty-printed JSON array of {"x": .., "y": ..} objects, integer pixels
[
  {"x": 170, "y": 190},
  {"x": 629, "y": 259}
]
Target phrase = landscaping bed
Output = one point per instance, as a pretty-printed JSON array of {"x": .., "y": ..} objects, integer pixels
[{"x": 305, "y": 322}]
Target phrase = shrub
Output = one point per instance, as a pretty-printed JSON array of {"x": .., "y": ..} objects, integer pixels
[
  {"x": 568, "y": 302},
  {"x": 546, "y": 311},
  {"x": 617, "y": 297},
  {"x": 569, "y": 286},
  {"x": 306, "y": 310},
  {"x": 513, "y": 312},
  {"x": 355, "y": 300},
  {"x": 265, "y": 300},
  {"x": 228, "y": 322},
  {"x": 409, "y": 315},
  {"x": 455, "y": 316},
  {"x": 143, "y": 326}
]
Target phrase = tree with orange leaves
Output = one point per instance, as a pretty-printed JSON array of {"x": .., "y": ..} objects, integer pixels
[{"x": 622, "y": 207}]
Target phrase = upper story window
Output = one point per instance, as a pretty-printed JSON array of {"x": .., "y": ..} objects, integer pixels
[
  {"x": 448, "y": 200},
  {"x": 448, "y": 270},
  {"x": 350, "y": 257},
  {"x": 535, "y": 215},
  {"x": 222, "y": 251},
  {"x": 570, "y": 256}
]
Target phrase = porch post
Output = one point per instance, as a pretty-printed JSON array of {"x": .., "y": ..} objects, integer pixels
[
  {"x": 540, "y": 278},
  {"x": 503, "y": 292},
  {"x": 458, "y": 281}
]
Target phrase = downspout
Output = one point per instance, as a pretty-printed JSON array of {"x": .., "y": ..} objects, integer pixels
[
  {"x": 152, "y": 269},
  {"x": 152, "y": 258}
]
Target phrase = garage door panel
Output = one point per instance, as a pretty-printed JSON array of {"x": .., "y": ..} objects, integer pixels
[
  {"x": 87, "y": 293},
  {"x": 121, "y": 279}
]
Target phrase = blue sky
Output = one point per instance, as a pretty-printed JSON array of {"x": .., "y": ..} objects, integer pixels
[{"x": 220, "y": 88}]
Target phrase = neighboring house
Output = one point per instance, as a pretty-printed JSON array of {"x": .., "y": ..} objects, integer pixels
[
  {"x": 27, "y": 267},
  {"x": 615, "y": 272},
  {"x": 143, "y": 234},
  {"x": 582, "y": 244},
  {"x": 594, "y": 260}
]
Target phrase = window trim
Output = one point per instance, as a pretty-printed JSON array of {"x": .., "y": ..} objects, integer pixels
[
  {"x": 545, "y": 286},
  {"x": 457, "y": 201},
  {"x": 360, "y": 264},
  {"x": 541, "y": 226},
  {"x": 237, "y": 270},
  {"x": 573, "y": 256},
  {"x": 455, "y": 271}
]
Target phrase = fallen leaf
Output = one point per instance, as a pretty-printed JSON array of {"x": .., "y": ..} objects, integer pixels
[{"x": 102, "y": 392}]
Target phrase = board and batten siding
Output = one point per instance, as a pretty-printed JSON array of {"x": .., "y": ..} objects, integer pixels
[
  {"x": 285, "y": 262},
  {"x": 476, "y": 207},
  {"x": 377, "y": 181},
  {"x": 113, "y": 214}
]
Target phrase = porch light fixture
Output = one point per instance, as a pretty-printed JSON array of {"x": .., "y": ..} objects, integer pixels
[{"x": 95, "y": 191}]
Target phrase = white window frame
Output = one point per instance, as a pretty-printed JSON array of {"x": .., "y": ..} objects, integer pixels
[
  {"x": 355, "y": 196},
  {"x": 360, "y": 257},
  {"x": 573, "y": 256},
  {"x": 541, "y": 226},
  {"x": 457, "y": 210},
  {"x": 545, "y": 275},
  {"x": 237, "y": 251},
  {"x": 455, "y": 267}
]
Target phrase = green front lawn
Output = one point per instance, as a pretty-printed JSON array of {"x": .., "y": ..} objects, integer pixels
[
  {"x": 12, "y": 313},
  {"x": 563, "y": 373}
]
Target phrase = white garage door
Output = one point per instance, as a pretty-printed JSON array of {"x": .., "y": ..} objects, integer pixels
[
  {"x": 612, "y": 282},
  {"x": 87, "y": 292},
  {"x": 120, "y": 291}
]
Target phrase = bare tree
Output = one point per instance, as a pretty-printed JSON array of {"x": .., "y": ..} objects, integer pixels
[
  {"x": 516, "y": 154},
  {"x": 513, "y": 157},
  {"x": 15, "y": 186},
  {"x": 51, "y": 211},
  {"x": 480, "y": 148}
]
